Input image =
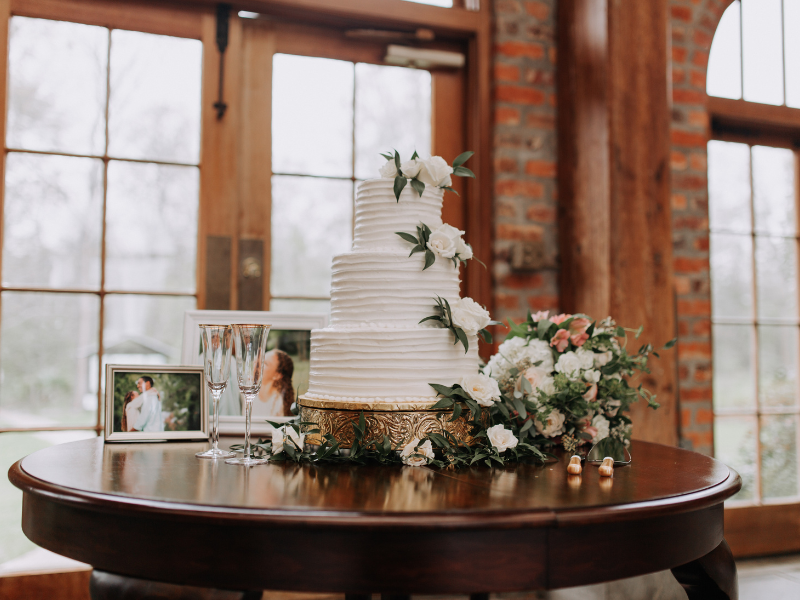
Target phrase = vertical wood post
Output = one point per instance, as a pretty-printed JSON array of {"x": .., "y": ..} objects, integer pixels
[{"x": 614, "y": 186}]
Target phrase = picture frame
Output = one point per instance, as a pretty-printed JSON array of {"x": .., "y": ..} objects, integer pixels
[
  {"x": 155, "y": 403},
  {"x": 292, "y": 328}
]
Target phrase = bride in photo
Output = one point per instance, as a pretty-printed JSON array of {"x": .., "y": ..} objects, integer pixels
[{"x": 277, "y": 392}]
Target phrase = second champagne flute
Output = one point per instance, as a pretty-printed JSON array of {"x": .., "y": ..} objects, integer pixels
[{"x": 249, "y": 344}]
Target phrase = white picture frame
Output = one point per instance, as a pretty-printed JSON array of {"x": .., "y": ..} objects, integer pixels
[{"x": 279, "y": 321}]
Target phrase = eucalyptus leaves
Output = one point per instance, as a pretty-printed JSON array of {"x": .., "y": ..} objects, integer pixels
[
  {"x": 466, "y": 317},
  {"x": 444, "y": 241},
  {"x": 433, "y": 171}
]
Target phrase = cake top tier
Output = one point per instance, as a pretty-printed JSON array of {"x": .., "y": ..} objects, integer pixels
[{"x": 379, "y": 215}]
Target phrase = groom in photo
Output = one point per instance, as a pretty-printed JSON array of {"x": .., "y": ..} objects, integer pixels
[{"x": 150, "y": 417}]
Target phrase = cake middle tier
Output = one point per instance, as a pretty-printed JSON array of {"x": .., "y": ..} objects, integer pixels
[
  {"x": 391, "y": 364},
  {"x": 388, "y": 288}
]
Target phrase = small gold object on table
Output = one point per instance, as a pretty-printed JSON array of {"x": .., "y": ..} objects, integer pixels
[{"x": 400, "y": 421}]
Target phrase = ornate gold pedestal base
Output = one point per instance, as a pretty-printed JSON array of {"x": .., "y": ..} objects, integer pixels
[{"x": 402, "y": 421}]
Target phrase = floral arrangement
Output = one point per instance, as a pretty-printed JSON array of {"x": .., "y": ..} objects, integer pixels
[
  {"x": 445, "y": 241},
  {"x": 433, "y": 171},
  {"x": 465, "y": 317}
]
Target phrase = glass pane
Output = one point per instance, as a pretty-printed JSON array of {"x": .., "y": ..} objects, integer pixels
[
  {"x": 776, "y": 276},
  {"x": 47, "y": 342},
  {"x": 312, "y": 220},
  {"x": 779, "y": 456},
  {"x": 154, "y": 106},
  {"x": 773, "y": 190},
  {"x": 57, "y": 86},
  {"x": 729, "y": 186},
  {"x": 52, "y": 221},
  {"x": 734, "y": 367},
  {"x": 731, "y": 275},
  {"x": 393, "y": 111},
  {"x": 791, "y": 23},
  {"x": 777, "y": 365},
  {"x": 735, "y": 445},
  {"x": 725, "y": 61},
  {"x": 17, "y": 552},
  {"x": 151, "y": 240},
  {"x": 762, "y": 45},
  {"x": 300, "y": 306},
  {"x": 312, "y": 116}
]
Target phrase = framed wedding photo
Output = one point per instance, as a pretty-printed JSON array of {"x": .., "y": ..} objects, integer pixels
[
  {"x": 286, "y": 364},
  {"x": 148, "y": 403}
]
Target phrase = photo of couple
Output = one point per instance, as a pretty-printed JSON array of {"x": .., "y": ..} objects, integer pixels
[{"x": 141, "y": 408}]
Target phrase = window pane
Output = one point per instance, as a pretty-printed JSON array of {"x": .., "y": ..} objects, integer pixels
[
  {"x": 776, "y": 276},
  {"x": 311, "y": 222},
  {"x": 312, "y": 116},
  {"x": 773, "y": 190},
  {"x": 393, "y": 111},
  {"x": 777, "y": 365},
  {"x": 151, "y": 241},
  {"x": 154, "y": 107},
  {"x": 57, "y": 86},
  {"x": 725, "y": 61},
  {"x": 52, "y": 221},
  {"x": 729, "y": 186},
  {"x": 46, "y": 346},
  {"x": 763, "y": 51},
  {"x": 734, "y": 367},
  {"x": 791, "y": 23},
  {"x": 15, "y": 546},
  {"x": 731, "y": 275},
  {"x": 779, "y": 456},
  {"x": 300, "y": 306},
  {"x": 446, "y": 3},
  {"x": 735, "y": 445}
]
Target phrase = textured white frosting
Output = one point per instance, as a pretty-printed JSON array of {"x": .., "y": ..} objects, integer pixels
[{"x": 375, "y": 349}]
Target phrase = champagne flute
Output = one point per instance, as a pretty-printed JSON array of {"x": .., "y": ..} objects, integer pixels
[
  {"x": 250, "y": 342},
  {"x": 217, "y": 359}
]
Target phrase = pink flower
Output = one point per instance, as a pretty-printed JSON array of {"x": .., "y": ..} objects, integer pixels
[
  {"x": 579, "y": 325},
  {"x": 542, "y": 314},
  {"x": 558, "y": 319},
  {"x": 591, "y": 393},
  {"x": 560, "y": 340},
  {"x": 592, "y": 431},
  {"x": 579, "y": 339}
]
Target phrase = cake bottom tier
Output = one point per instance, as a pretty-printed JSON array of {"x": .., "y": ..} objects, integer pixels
[{"x": 390, "y": 364}]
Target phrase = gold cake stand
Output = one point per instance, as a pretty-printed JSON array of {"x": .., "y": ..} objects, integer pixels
[{"x": 401, "y": 421}]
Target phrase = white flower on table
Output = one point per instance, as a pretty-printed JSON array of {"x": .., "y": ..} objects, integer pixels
[
  {"x": 436, "y": 172},
  {"x": 586, "y": 358},
  {"x": 612, "y": 407},
  {"x": 553, "y": 425},
  {"x": 469, "y": 315},
  {"x": 414, "y": 447},
  {"x": 601, "y": 424},
  {"x": 540, "y": 379},
  {"x": 569, "y": 364},
  {"x": 481, "y": 388},
  {"x": 603, "y": 358},
  {"x": 389, "y": 170},
  {"x": 592, "y": 376},
  {"x": 285, "y": 434},
  {"x": 411, "y": 168},
  {"x": 501, "y": 438}
]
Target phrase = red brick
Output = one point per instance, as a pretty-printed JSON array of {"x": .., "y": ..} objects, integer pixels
[
  {"x": 686, "y": 418},
  {"x": 701, "y": 308},
  {"x": 525, "y": 233},
  {"x": 682, "y": 285},
  {"x": 515, "y": 187},
  {"x": 690, "y": 265},
  {"x": 541, "y": 168},
  {"x": 688, "y": 138},
  {"x": 698, "y": 162},
  {"x": 704, "y": 416},
  {"x": 505, "y": 165},
  {"x": 700, "y": 58},
  {"x": 678, "y": 75},
  {"x": 691, "y": 222},
  {"x": 540, "y": 121},
  {"x": 703, "y": 374},
  {"x": 678, "y": 34},
  {"x": 694, "y": 394},
  {"x": 520, "y": 95},
  {"x": 700, "y": 440},
  {"x": 505, "y": 209},
  {"x": 506, "y": 116},
  {"x": 537, "y": 303},
  {"x": 541, "y": 214},
  {"x": 679, "y": 54},
  {"x": 508, "y": 7},
  {"x": 698, "y": 79},
  {"x": 552, "y": 54},
  {"x": 681, "y": 13},
  {"x": 523, "y": 281},
  {"x": 678, "y": 202},
  {"x": 685, "y": 181},
  {"x": 678, "y": 161},
  {"x": 702, "y": 327},
  {"x": 683, "y": 372},
  {"x": 681, "y": 96},
  {"x": 527, "y": 49},
  {"x": 539, "y": 77},
  {"x": 507, "y": 301},
  {"x": 503, "y": 72},
  {"x": 702, "y": 39},
  {"x": 540, "y": 10},
  {"x": 552, "y": 100},
  {"x": 683, "y": 328}
]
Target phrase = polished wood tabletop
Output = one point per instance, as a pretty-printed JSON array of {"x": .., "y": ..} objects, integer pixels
[{"x": 133, "y": 508}]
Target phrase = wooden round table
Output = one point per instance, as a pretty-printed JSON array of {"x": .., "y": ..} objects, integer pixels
[{"x": 155, "y": 512}]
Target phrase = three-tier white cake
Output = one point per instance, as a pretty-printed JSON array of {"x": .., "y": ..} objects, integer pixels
[{"x": 375, "y": 350}]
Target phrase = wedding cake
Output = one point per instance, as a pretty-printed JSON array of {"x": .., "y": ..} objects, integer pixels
[{"x": 375, "y": 348}]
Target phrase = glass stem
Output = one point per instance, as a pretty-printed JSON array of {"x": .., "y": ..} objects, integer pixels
[
  {"x": 215, "y": 420},
  {"x": 248, "y": 413}
]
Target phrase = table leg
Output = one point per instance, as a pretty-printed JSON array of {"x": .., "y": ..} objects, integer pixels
[
  {"x": 479, "y": 597},
  {"x": 358, "y": 597},
  {"x": 395, "y": 597},
  {"x": 107, "y": 586},
  {"x": 711, "y": 577}
]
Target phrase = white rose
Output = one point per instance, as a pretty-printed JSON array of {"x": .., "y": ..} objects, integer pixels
[
  {"x": 450, "y": 231},
  {"x": 469, "y": 315},
  {"x": 463, "y": 249},
  {"x": 568, "y": 364},
  {"x": 481, "y": 388},
  {"x": 539, "y": 351},
  {"x": 411, "y": 168},
  {"x": 280, "y": 435},
  {"x": 410, "y": 448},
  {"x": 501, "y": 438},
  {"x": 441, "y": 244},
  {"x": 436, "y": 172},
  {"x": 612, "y": 407},
  {"x": 507, "y": 355},
  {"x": 553, "y": 426},
  {"x": 592, "y": 376},
  {"x": 389, "y": 170},
  {"x": 601, "y": 424},
  {"x": 586, "y": 358},
  {"x": 603, "y": 358},
  {"x": 540, "y": 379}
]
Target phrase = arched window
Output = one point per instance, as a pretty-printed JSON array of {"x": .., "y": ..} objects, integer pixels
[{"x": 754, "y": 87}]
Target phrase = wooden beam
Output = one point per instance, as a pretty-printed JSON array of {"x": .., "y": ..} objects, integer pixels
[
  {"x": 69, "y": 585},
  {"x": 753, "y": 113},
  {"x": 763, "y": 530}
]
